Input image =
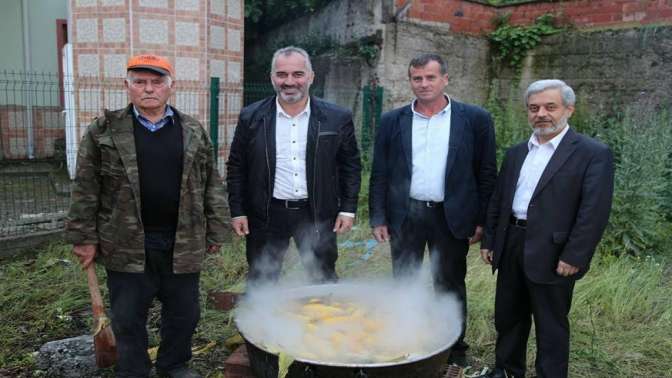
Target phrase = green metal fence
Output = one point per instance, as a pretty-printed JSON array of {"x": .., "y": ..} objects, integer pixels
[{"x": 42, "y": 117}]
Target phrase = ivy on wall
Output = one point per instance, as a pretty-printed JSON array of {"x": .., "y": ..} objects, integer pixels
[{"x": 511, "y": 43}]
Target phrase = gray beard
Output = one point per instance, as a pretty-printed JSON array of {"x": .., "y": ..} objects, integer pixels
[{"x": 545, "y": 131}]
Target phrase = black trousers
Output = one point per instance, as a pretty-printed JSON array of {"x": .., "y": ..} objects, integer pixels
[
  {"x": 265, "y": 247},
  {"x": 426, "y": 226},
  {"x": 517, "y": 301},
  {"x": 131, "y": 296}
]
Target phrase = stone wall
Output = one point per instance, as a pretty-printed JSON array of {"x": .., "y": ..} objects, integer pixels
[
  {"x": 608, "y": 69},
  {"x": 343, "y": 21},
  {"x": 467, "y": 58},
  {"x": 607, "y": 66}
]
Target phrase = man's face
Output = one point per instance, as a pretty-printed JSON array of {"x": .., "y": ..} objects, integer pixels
[
  {"x": 148, "y": 91},
  {"x": 291, "y": 79},
  {"x": 427, "y": 82},
  {"x": 546, "y": 113}
]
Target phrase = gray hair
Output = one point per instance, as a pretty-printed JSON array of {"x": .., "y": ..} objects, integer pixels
[
  {"x": 568, "y": 96},
  {"x": 289, "y": 50},
  {"x": 129, "y": 78}
]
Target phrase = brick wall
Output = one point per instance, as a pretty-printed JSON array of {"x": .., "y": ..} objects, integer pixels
[
  {"x": 202, "y": 38},
  {"x": 48, "y": 126},
  {"x": 464, "y": 16}
]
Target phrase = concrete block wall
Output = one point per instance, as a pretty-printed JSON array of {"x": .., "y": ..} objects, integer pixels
[{"x": 203, "y": 39}]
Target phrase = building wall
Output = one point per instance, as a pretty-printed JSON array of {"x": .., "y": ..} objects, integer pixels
[
  {"x": 11, "y": 42},
  {"x": 42, "y": 16},
  {"x": 203, "y": 39}
]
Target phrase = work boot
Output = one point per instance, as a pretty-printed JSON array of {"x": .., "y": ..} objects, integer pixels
[{"x": 181, "y": 372}]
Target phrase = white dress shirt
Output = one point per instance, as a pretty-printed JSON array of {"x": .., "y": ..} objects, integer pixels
[
  {"x": 291, "y": 135},
  {"x": 430, "y": 137},
  {"x": 533, "y": 167}
]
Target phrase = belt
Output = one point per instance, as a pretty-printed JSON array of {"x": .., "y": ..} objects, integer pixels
[
  {"x": 522, "y": 223},
  {"x": 428, "y": 204},
  {"x": 291, "y": 204}
]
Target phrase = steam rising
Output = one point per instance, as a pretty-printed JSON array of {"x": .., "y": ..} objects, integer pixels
[{"x": 410, "y": 321}]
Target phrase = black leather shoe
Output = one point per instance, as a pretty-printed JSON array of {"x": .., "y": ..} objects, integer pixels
[
  {"x": 458, "y": 357},
  {"x": 181, "y": 372},
  {"x": 496, "y": 373}
]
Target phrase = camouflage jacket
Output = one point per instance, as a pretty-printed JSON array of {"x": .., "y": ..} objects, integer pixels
[{"x": 105, "y": 208}]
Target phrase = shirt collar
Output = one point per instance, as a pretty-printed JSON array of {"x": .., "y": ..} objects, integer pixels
[
  {"x": 281, "y": 112},
  {"x": 554, "y": 143},
  {"x": 166, "y": 114},
  {"x": 443, "y": 111}
]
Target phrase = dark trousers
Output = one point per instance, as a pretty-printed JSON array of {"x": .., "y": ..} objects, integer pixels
[
  {"x": 131, "y": 296},
  {"x": 517, "y": 301},
  {"x": 426, "y": 226},
  {"x": 265, "y": 247}
]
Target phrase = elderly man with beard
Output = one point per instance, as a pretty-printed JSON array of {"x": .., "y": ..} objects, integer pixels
[
  {"x": 545, "y": 219},
  {"x": 293, "y": 172}
]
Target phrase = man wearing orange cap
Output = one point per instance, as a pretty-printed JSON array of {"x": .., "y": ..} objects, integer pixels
[{"x": 147, "y": 203}]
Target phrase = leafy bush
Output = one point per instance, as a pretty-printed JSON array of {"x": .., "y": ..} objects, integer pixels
[
  {"x": 512, "y": 42},
  {"x": 641, "y": 141}
]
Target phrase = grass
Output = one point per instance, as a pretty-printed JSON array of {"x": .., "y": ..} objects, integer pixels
[{"x": 621, "y": 317}]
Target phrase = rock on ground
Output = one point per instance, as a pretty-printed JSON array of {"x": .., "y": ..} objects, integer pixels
[{"x": 68, "y": 358}]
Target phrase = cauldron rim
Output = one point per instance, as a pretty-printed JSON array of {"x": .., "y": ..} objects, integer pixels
[{"x": 336, "y": 286}]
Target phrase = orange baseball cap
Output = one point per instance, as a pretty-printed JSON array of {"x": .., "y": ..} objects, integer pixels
[{"x": 150, "y": 62}]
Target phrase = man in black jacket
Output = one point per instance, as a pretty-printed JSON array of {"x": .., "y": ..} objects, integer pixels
[
  {"x": 433, "y": 172},
  {"x": 293, "y": 172},
  {"x": 547, "y": 214}
]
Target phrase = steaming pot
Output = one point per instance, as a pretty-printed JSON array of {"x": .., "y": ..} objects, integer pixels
[{"x": 264, "y": 364}]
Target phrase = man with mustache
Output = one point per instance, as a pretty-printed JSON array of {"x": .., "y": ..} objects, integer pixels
[
  {"x": 293, "y": 172},
  {"x": 433, "y": 172},
  {"x": 546, "y": 216},
  {"x": 148, "y": 203}
]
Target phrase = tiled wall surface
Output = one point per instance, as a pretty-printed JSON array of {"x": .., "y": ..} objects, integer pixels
[{"x": 203, "y": 39}]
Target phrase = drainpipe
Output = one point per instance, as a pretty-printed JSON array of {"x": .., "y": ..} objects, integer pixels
[{"x": 28, "y": 67}]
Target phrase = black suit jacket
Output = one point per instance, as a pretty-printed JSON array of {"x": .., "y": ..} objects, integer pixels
[
  {"x": 568, "y": 211},
  {"x": 470, "y": 177},
  {"x": 332, "y": 162}
]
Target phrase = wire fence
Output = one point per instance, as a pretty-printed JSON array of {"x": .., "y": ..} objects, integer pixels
[{"x": 43, "y": 117}]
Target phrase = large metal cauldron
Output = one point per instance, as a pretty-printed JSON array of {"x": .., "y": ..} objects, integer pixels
[{"x": 264, "y": 364}]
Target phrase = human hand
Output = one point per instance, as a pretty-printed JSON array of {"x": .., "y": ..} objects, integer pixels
[
  {"x": 565, "y": 269},
  {"x": 486, "y": 256},
  {"x": 476, "y": 237},
  {"x": 86, "y": 253},
  {"x": 240, "y": 226},
  {"x": 343, "y": 224},
  {"x": 381, "y": 234}
]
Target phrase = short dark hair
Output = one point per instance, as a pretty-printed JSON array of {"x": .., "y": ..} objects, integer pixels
[{"x": 424, "y": 59}]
